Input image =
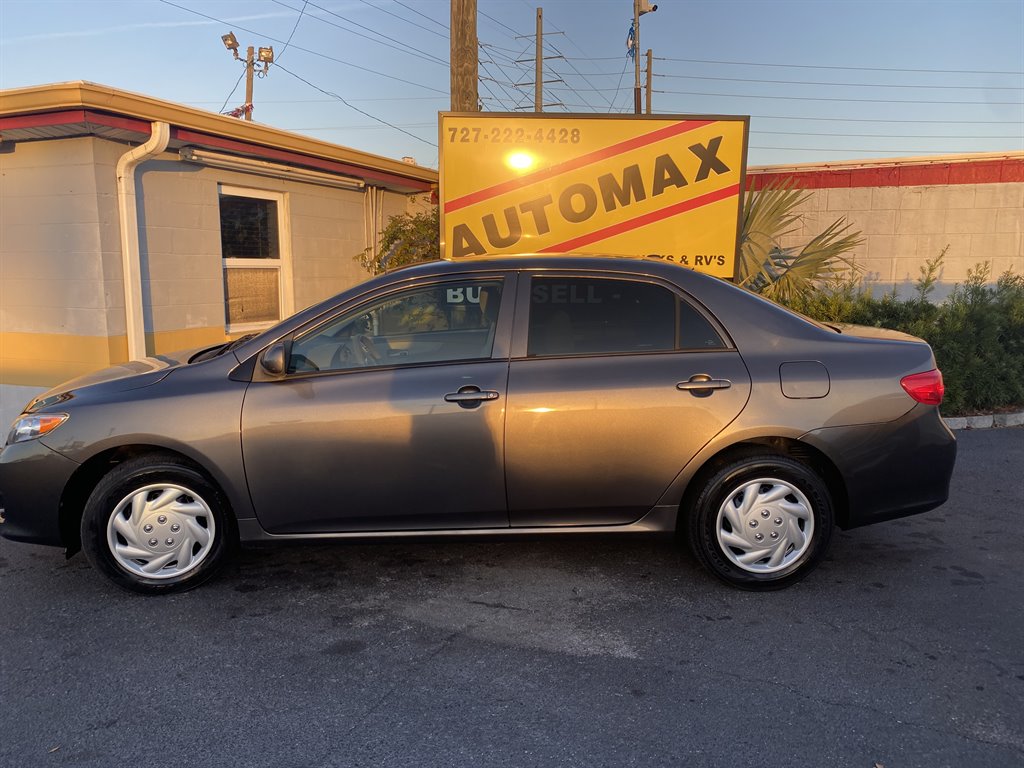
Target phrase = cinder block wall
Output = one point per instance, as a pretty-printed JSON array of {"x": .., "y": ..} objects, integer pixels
[
  {"x": 908, "y": 212},
  {"x": 60, "y": 290}
]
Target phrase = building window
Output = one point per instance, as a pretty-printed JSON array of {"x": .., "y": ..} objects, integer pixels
[{"x": 253, "y": 251}]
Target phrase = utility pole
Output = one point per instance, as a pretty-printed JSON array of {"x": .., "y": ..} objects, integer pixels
[
  {"x": 266, "y": 58},
  {"x": 636, "y": 58},
  {"x": 250, "y": 57},
  {"x": 464, "y": 57},
  {"x": 538, "y": 88},
  {"x": 650, "y": 58},
  {"x": 538, "y": 66},
  {"x": 640, "y": 7}
]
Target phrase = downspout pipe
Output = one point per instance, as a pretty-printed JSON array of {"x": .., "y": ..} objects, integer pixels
[{"x": 131, "y": 260}]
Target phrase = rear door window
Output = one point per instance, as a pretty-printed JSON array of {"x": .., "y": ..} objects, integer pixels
[{"x": 595, "y": 315}]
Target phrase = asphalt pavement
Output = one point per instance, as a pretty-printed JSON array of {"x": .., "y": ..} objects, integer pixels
[{"x": 905, "y": 648}]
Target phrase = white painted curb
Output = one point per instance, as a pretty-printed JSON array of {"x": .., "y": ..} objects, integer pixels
[{"x": 987, "y": 422}]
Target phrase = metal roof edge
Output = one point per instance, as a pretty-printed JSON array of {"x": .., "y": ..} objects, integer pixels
[
  {"x": 843, "y": 165},
  {"x": 83, "y": 94}
]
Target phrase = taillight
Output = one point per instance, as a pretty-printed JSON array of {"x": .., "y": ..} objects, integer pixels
[{"x": 925, "y": 387}]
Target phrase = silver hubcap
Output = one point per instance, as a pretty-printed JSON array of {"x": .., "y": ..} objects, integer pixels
[
  {"x": 161, "y": 531},
  {"x": 765, "y": 525}
]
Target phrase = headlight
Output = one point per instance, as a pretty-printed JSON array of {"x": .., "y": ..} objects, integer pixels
[{"x": 35, "y": 425}]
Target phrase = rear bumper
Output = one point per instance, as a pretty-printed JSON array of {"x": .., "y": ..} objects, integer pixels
[
  {"x": 891, "y": 470},
  {"x": 32, "y": 480}
]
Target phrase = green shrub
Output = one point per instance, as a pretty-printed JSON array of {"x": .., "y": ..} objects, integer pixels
[{"x": 977, "y": 333}]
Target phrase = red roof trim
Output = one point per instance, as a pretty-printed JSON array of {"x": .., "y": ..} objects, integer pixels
[
  {"x": 89, "y": 118},
  {"x": 71, "y": 117},
  {"x": 933, "y": 174}
]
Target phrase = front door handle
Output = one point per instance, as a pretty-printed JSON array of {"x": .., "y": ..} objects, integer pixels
[
  {"x": 470, "y": 397},
  {"x": 701, "y": 384}
]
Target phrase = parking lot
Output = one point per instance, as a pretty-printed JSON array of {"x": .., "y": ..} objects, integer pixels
[{"x": 905, "y": 648}]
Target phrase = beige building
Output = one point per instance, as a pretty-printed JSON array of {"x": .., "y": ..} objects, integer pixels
[
  {"x": 131, "y": 226},
  {"x": 909, "y": 209}
]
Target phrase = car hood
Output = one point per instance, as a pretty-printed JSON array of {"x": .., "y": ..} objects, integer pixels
[{"x": 134, "y": 374}]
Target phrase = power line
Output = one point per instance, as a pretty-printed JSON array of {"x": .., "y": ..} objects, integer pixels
[
  {"x": 500, "y": 48},
  {"x": 488, "y": 77},
  {"x": 399, "y": 45},
  {"x": 517, "y": 62},
  {"x": 862, "y": 119},
  {"x": 428, "y": 18},
  {"x": 306, "y": 50},
  {"x": 562, "y": 76},
  {"x": 485, "y": 84},
  {"x": 886, "y": 120},
  {"x": 517, "y": 98},
  {"x": 882, "y": 135},
  {"x": 380, "y": 120},
  {"x": 845, "y": 85},
  {"x": 625, "y": 66},
  {"x": 515, "y": 33},
  {"x": 286, "y": 42},
  {"x": 403, "y": 18},
  {"x": 363, "y": 127},
  {"x": 872, "y": 151},
  {"x": 833, "y": 98},
  {"x": 224, "y": 105},
  {"x": 823, "y": 66},
  {"x": 812, "y": 66},
  {"x": 572, "y": 66},
  {"x": 584, "y": 76}
]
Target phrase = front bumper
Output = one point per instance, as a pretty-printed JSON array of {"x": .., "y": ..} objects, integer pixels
[
  {"x": 32, "y": 480},
  {"x": 891, "y": 470}
]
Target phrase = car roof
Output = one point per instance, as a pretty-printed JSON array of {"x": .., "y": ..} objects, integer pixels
[{"x": 651, "y": 265}]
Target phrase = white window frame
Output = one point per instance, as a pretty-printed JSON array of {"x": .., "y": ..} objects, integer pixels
[{"x": 286, "y": 295}]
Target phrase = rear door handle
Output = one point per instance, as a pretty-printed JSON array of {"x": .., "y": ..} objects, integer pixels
[
  {"x": 470, "y": 397},
  {"x": 702, "y": 383}
]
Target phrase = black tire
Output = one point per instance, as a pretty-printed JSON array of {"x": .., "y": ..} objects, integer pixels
[
  {"x": 198, "y": 516},
  {"x": 790, "y": 509}
]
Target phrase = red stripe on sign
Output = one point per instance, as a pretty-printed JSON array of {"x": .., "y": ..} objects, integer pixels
[
  {"x": 577, "y": 162},
  {"x": 640, "y": 221}
]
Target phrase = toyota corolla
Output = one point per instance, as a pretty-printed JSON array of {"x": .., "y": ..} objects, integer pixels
[{"x": 491, "y": 397}]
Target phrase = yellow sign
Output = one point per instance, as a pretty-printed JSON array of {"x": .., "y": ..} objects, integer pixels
[{"x": 665, "y": 186}]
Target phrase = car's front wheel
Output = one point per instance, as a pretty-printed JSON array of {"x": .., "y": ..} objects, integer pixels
[
  {"x": 155, "y": 524},
  {"x": 761, "y": 522}
]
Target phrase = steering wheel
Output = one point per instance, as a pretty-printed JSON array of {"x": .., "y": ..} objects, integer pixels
[
  {"x": 357, "y": 352},
  {"x": 368, "y": 350}
]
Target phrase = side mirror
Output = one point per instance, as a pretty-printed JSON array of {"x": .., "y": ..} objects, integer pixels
[{"x": 275, "y": 360}]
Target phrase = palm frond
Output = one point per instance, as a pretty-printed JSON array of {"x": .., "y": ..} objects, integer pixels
[
  {"x": 824, "y": 258},
  {"x": 768, "y": 215},
  {"x": 783, "y": 273}
]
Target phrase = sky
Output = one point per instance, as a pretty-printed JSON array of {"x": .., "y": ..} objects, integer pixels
[{"x": 822, "y": 80}]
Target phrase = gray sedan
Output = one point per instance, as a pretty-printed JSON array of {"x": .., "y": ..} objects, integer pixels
[{"x": 485, "y": 397}]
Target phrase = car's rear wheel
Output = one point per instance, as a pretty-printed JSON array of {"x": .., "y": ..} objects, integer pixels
[
  {"x": 761, "y": 522},
  {"x": 155, "y": 524}
]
